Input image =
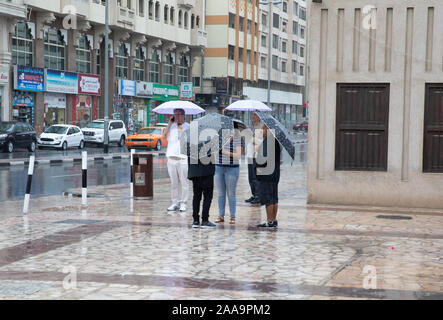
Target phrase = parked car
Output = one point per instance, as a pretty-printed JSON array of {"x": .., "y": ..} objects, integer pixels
[
  {"x": 61, "y": 136},
  {"x": 15, "y": 134},
  {"x": 147, "y": 138},
  {"x": 94, "y": 132},
  {"x": 302, "y": 126}
]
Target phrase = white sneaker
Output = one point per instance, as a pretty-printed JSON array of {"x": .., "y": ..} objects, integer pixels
[
  {"x": 183, "y": 208},
  {"x": 174, "y": 207}
]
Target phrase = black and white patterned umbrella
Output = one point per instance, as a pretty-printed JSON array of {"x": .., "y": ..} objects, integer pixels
[
  {"x": 279, "y": 131},
  {"x": 207, "y": 134}
]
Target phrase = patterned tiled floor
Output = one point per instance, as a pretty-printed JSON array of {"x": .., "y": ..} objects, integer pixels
[{"x": 118, "y": 248}]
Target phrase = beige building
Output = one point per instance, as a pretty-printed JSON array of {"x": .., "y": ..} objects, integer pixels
[
  {"x": 376, "y": 103},
  {"x": 153, "y": 47},
  {"x": 236, "y": 58}
]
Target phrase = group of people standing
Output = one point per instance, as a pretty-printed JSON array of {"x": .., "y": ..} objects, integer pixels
[{"x": 223, "y": 170}]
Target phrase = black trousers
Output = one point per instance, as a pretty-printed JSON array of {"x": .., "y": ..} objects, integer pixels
[
  {"x": 202, "y": 186},
  {"x": 253, "y": 182}
]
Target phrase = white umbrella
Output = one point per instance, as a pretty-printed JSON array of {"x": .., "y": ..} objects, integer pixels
[
  {"x": 168, "y": 107},
  {"x": 248, "y": 105}
]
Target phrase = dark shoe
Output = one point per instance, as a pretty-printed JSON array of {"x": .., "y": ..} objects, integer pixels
[
  {"x": 255, "y": 201},
  {"x": 265, "y": 224},
  {"x": 207, "y": 225},
  {"x": 196, "y": 224},
  {"x": 250, "y": 199},
  {"x": 274, "y": 224}
]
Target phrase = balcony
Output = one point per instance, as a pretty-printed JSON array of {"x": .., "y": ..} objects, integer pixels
[
  {"x": 188, "y": 4},
  {"x": 199, "y": 38},
  {"x": 125, "y": 16}
]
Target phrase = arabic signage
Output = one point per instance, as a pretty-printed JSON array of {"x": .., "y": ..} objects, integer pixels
[
  {"x": 186, "y": 90},
  {"x": 127, "y": 88},
  {"x": 61, "y": 81},
  {"x": 144, "y": 89},
  {"x": 29, "y": 78},
  {"x": 89, "y": 84}
]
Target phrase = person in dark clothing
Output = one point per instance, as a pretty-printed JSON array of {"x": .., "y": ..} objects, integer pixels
[
  {"x": 268, "y": 173},
  {"x": 202, "y": 176}
]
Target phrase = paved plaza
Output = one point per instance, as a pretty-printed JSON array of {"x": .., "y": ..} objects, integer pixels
[{"x": 118, "y": 248}]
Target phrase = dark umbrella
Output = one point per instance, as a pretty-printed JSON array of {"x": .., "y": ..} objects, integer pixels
[
  {"x": 279, "y": 131},
  {"x": 217, "y": 129}
]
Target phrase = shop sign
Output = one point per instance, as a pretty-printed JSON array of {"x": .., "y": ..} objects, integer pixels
[
  {"x": 61, "y": 81},
  {"x": 89, "y": 84},
  {"x": 4, "y": 74},
  {"x": 127, "y": 88},
  {"x": 186, "y": 90},
  {"x": 29, "y": 78},
  {"x": 144, "y": 89},
  {"x": 221, "y": 85},
  {"x": 165, "y": 92},
  {"x": 22, "y": 99},
  {"x": 54, "y": 100}
]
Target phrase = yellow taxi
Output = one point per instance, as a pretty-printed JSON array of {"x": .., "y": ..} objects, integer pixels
[{"x": 147, "y": 138}]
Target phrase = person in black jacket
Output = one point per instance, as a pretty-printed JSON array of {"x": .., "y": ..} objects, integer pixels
[
  {"x": 268, "y": 173},
  {"x": 202, "y": 176}
]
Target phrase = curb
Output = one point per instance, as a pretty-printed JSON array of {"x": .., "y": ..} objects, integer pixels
[{"x": 71, "y": 160}]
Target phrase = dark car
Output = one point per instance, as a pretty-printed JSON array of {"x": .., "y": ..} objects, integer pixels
[
  {"x": 302, "y": 126},
  {"x": 17, "y": 135}
]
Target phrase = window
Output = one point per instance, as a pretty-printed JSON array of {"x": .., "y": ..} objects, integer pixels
[
  {"x": 165, "y": 14},
  {"x": 264, "y": 20},
  {"x": 129, "y": 4},
  {"x": 141, "y": 8},
  {"x": 295, "y": 8},
  {"x": 154, "y": 68},
  {"x": 248, "y": 56},
  {"x": 285, "y": 6},
  {"x": 183, "y": 69},
  {"x": 83, "y": 60},
  {"x": 242, "y": 20},
  {"x": 171, "y": 16},
  {"x": 231, "y": 21},
  {"x": 168, "y": 70},
  {"x": 197, "y": 22},
  {"x": 295, "y": 27},
  {"x": 294, "y": 47},
  {"x": 362, "y": 127},
  {"x": 294, "y": 67},
  {"x": 180, "y": 18},
  {"x": 192, "y": 21},
  {"x": 196, "y": 81},
  {"x": 240, "y": 54},
  {"x": 157, "y": 11},
  {"x": 302, "y": 51},
  {"x": 263, "y": 62},
  {"x": 98, "y": 62},
  {"x": 230, "y": 52},
  {"x": 275, "y": 41},
  {"x": 151, "y": 9},
  {"x": 22, "y": 45},
  {"x": 263, "y": 41},
  {"x": 283, "y": 66},
  {"x": 283, "y": 46},
  {"x": 121, "y": 62},
  {"x": 54, "y": 49},
  {"x": 248, "y": 24},
  {"x": 302, "y": 32},
  {"x": 284, "y": 26},
  {"x": 275, "y": 62},
  {"x": 302, "y": 70},
  {"x": 276, "y": 20},
  {"x": 433, "y": 129},
  {"x": 302, "y": 13},
  {"x": 186, "y": 18},
  {"x": 139, "y": 65}
]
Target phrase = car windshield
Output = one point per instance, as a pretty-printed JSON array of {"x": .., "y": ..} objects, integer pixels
[
  {"x": 56, "y": 129},
  {"x": 150, "y": 131},
  {"x": 96, "y": 125},
  {"x": 6, "y": 126}
]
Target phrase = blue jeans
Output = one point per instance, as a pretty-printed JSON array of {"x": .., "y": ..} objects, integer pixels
[{"x": 226, "y": 179}]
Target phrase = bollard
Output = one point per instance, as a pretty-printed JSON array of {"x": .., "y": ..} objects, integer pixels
[
  {"x": 132, "y": 176},
  {"x": 84, "y": 178},
  {"x": 28, "y": 184}
]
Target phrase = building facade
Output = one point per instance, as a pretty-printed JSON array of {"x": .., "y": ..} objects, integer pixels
[
  {"x": 376, "y": 103},
  {"x": 236, "y": 59},
  {"x": 152, "y": 49}
]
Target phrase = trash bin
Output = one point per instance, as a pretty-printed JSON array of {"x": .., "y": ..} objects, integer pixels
[{"x": 142, "y": 173}]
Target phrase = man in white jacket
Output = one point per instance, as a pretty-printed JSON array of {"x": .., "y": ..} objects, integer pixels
[{"x": 177, "y": 162}]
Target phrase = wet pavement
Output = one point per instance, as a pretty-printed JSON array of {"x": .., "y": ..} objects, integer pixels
[{"x": 121, "y": 248}]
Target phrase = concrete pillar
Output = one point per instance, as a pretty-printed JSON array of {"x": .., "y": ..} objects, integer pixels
[
  {"x": 39, "y": 108},
  {"x": 71, "y": 65},
  {"x": 5, "y": 62}
]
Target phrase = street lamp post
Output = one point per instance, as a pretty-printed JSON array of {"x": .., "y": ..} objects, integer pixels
[
  {"x": 270, "y": 3},
  {"x": 106, "y": 133}
]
